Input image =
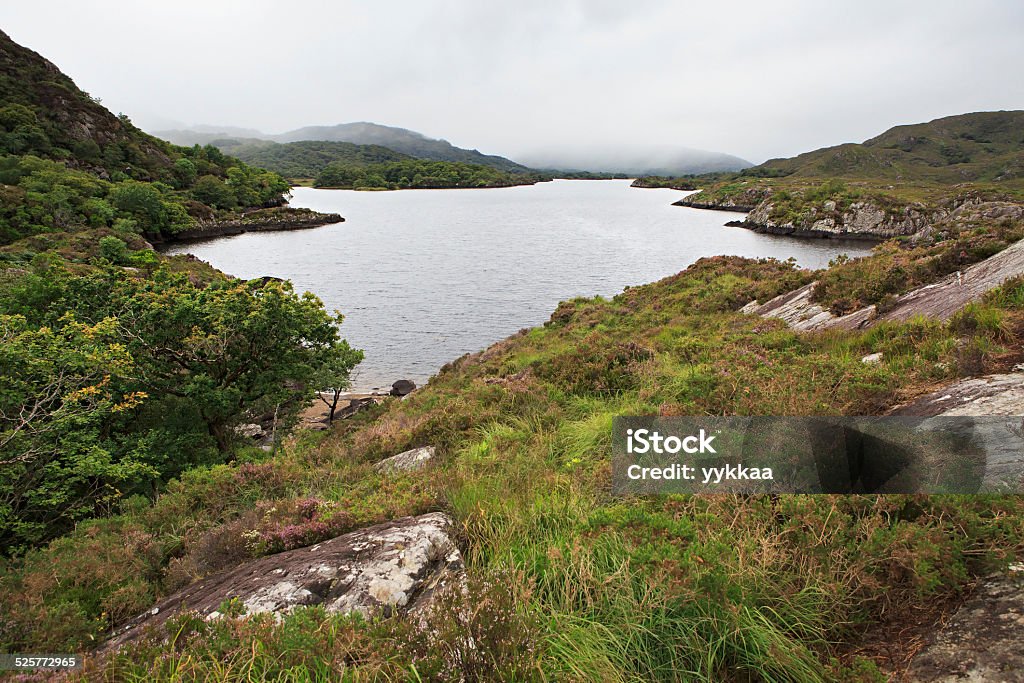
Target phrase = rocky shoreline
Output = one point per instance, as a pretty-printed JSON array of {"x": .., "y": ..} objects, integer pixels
[
  {"x": 279, "y": 218},
  {"x": 791, "y": 231},
  {"x": 714, "y": 206},
  {"x": 861, "y": 220}
]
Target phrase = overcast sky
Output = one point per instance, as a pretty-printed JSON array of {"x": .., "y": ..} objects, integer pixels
[{"x": 753, "y": 78}]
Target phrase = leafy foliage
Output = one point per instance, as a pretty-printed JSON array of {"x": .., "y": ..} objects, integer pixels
[{"x": 96, "y": 412}]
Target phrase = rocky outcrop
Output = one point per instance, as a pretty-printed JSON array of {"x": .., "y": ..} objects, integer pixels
[
  {"x": 743, "y": 201},
  {"x": 397, "y": 567},
  {"x": 990, "y": 397},
  {"x": 944, "y": 298},
  {"x": 409, "y": 461},
  {"x": 795, "y": 308},
  {"x": 723, "y": 205},
  {"x": 257, "y": 221},
  {"x": 662, "y": 182},
  {"x": 861, "y": 220},
  {"x": 982, "y": 641},
  {"x": 939, "y": 300}
]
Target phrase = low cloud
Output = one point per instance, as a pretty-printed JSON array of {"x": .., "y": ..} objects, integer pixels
[{"x": 752, "y": 79}]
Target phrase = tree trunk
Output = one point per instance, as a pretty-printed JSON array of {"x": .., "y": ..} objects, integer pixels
[{"x": 220, "y": 435}]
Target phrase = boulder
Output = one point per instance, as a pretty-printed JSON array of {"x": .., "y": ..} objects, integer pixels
[
  {"x": 250, "y": 431},
  {"x": 408, "y": 461},
  {"x": 396, "y": 567},
  {"x": 403, "y": 387}
]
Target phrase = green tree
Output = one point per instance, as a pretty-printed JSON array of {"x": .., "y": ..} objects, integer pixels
[
  {"x": 55, "y": 466},
  {"x": 228, "y": 349},
  {"x": 211, "y": 190},
  {"x": 332, "y": 374},
  {"x": 142, "y": 202},
  {"x": 184, "y": 173}
]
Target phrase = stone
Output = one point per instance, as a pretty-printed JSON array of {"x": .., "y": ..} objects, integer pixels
[
  {"x": 397, "y": 567},
  {"x": 795, "y": 308},
  {"x": 872, "y": 359},
  {"x": 988, "y": 398},
  {"x": 976, "y": 396},
  {"x": 250, "y": 431},
  {"x": 408, "y": 461},
  {"x": 982, "y": 641},
  {"x": 403, "y": 387}
]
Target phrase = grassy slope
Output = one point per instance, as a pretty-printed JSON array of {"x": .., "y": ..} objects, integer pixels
[
  {"x": 568, "y": 580},
  {"x": 984, "y": 146}
]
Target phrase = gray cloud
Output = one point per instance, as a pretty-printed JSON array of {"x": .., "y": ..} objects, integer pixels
[{"x": 754, "y": 79}]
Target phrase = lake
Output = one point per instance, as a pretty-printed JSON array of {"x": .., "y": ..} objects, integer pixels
[{"x": 424, "y": 276}]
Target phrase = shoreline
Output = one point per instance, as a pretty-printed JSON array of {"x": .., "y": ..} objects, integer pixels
[
  {"x": 278, "y": 219},
  {"x": 800, "y": 233},
  {"x": 779, "y": 230}
]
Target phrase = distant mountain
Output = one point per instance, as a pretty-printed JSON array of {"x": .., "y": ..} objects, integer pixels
[
  {"x": 636, "y": 161},
  {"x": 306, "y": 159},
  {"x": 400, "y": 140},
  {"x": 980, "y": 146}
]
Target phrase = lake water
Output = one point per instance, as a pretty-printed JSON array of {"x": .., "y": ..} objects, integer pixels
[{"x": 424, "y": 276}]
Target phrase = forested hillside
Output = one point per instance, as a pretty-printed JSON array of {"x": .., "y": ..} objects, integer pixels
[
  {"x": 306, "y": 159},
  {"x": 121, "y": 368}
]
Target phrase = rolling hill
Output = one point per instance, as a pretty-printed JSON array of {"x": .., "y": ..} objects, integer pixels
[
  {"x": 894, "y": 184},
  {"x": 401, "y": 140},
  {"x": 981, "y": 146},
  {"x": 306, "y": 159}
]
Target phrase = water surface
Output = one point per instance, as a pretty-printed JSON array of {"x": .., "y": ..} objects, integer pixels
[{"x": 424, "y": 276}]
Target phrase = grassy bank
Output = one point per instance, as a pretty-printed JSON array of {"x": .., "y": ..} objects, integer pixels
[{"x": 569, "y": 582}]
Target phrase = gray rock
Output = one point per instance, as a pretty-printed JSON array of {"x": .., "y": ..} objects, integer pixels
[
  {"x": 976, "y": 396},
  {"x": 396, "y": 567},
  {"x": 795, "y": 308},
  {"x": 862, "y": 219},
  {"x": 409, "y": 461},
  {"x": 250, "y": 431},
  {"x": 403, "y": 387},
  {"x": 872, "y": 359},
  {"x": 997, "y": 401},
  {"x": 982, "y": 641}
]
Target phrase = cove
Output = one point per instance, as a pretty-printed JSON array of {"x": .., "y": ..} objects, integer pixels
[{"x": 425, "y": 276}]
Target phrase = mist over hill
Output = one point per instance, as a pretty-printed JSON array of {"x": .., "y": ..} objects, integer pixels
[
  {"x": 666, "y": 160},
  {"x": 650, "y": 160},
  {"x": 399, "y": 140}
]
